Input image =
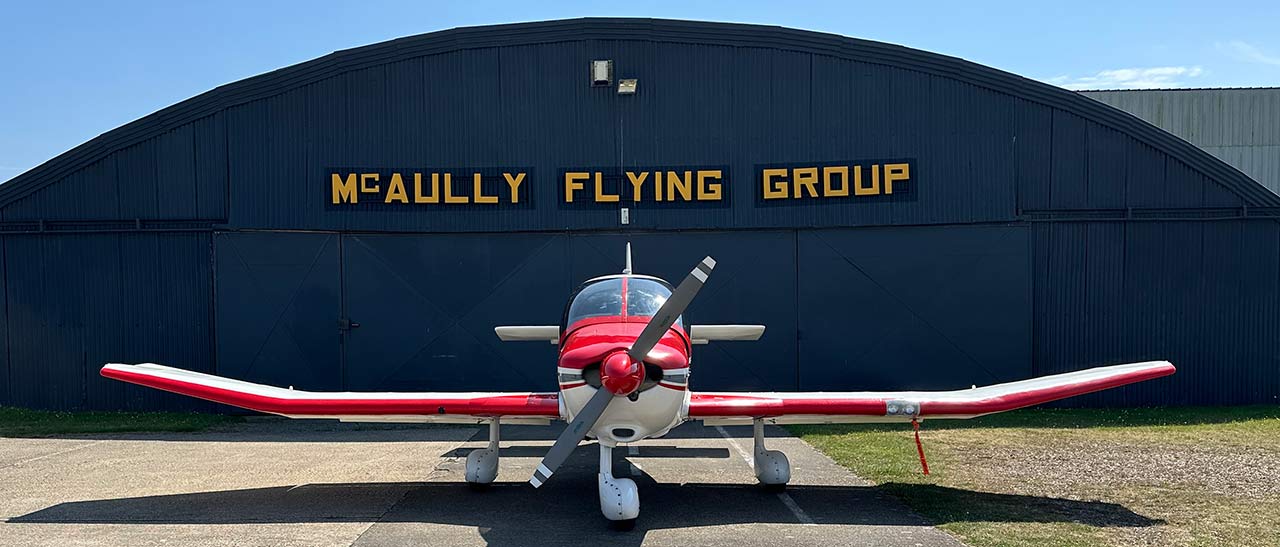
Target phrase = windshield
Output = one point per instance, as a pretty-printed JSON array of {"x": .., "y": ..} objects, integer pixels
[
  {"x": 604, "y": 299},
  {"x": 599, "y": 299},
  {"x": 645, "y": 296}
]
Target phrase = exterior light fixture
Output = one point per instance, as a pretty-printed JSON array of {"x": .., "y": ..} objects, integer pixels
[
  {"x": 627, "y": 86},
  {"x": 601, "y": 73}
]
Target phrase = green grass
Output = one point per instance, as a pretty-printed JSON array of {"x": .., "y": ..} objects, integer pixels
[
  {"x": 976, "y": 491},
  {"x": 18, "y": 422}
]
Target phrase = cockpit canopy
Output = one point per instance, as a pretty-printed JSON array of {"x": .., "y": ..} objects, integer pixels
[{"x": 618, "y": 296}]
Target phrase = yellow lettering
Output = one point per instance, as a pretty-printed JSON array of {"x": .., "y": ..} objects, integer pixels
[
  {"x": 894, "y": 172},
  {"x": 435, "y": 189},
  {"x": 364, "y": 183},
  {"x": 657, "y": 186},
  {"x": 395, "y": 190},
  {"x": 514, "y": 183},
  {"x": 572, "y": 185},
  {"x": 636, "y": 184},
  {"x": 448, "y": 191},
  {"x": 775, "y": 190},
  {"x": 478, "y": 196},
  {"x": 805, "y": 177},
  {"x": 602, "y": 197},
  {"x": 858, "y": 189},
  {"x": 344, "y": 190},
  {"x": 828, "y": 190},
  {"x": 684, "y": 185},
  {"x": 709, "y": 191}
]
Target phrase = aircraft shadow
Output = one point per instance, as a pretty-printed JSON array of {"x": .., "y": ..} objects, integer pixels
[
  {"x": 270, "y": 429},
  {"x": 566, "y": 510}
]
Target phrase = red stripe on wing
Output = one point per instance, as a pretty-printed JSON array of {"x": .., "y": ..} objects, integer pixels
[
  {"x": 1041, "y": 395},
  {"x": 961, "y": 403},
  {"x": 516, "y": 404}
]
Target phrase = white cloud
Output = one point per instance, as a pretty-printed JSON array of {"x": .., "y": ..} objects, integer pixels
[
  {"x": 1131, "y": 78},
  {"x": 1248, "y": 52}
]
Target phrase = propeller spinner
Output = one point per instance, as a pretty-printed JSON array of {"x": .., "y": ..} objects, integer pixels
[{"x": 621, "y": 373}]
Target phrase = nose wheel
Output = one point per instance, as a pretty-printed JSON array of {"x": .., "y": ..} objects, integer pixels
[{"x": 619, "y": 498}]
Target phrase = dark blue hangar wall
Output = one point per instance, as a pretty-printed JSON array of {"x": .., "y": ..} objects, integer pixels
[{"x": 1029, "y": 230}]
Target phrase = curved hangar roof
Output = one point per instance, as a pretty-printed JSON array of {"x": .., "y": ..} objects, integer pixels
[{"x": 989, "y": 145}]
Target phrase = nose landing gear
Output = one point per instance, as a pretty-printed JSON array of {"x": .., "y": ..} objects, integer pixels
[{"x": 619, "y": 498}]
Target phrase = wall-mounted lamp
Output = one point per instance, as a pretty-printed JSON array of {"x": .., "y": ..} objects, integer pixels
[{"x": 601, "y": 73}]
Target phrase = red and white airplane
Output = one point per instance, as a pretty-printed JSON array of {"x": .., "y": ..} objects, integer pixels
[{"x": 624, "y": 371}]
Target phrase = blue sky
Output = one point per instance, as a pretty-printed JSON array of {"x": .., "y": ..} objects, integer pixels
[{"x": 72, "y": 70}]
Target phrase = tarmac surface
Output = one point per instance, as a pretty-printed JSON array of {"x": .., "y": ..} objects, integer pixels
[{"x": 280, "y": 482}]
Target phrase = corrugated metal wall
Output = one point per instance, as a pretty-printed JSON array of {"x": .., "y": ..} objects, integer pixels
[
  {"x": 1140, "y": 245},
  {"x": 1200, "y": 294},
  {"x": 1240, "y": 126},
  {"x": 76, "y": 301}
]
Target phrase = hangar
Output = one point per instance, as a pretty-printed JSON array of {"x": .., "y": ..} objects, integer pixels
[{"x": 899, "y": 219}]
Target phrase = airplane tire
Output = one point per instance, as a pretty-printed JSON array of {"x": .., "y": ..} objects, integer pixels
[
  {"x": 623, "y": 525},
  {"x": 775, "y": 487}
]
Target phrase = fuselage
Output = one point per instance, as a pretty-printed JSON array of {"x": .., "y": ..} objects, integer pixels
[{"x": 601, "y": 322}]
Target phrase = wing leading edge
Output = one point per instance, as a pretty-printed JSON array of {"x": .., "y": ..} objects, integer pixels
[
  {"x": 346, "y": 406},
  {"x": 872, "y": 406}
]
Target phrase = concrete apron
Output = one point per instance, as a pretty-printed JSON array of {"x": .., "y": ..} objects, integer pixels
[{"x": 283, "y": 482}]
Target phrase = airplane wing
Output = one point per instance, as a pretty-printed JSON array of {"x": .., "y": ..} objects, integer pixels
[
  {"x": 903, "y": 406},
  {"x": 469, "y": 408}
]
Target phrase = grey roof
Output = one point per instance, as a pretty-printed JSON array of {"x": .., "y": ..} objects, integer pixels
[{"x": 1240, "y": 126}]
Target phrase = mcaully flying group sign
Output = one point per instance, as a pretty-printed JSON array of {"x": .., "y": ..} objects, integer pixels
[{"x": 779, "y": 183}]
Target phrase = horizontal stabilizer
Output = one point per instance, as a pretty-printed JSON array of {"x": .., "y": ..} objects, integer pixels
[
  {"x": 701, "y": 334},
  {"x": 531, "y": 333}
]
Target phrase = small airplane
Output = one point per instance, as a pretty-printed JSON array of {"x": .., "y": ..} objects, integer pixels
[{"x": 624, "y": 368}]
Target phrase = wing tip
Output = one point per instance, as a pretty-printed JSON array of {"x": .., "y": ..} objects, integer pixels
[{"x": 111, "y": 370}]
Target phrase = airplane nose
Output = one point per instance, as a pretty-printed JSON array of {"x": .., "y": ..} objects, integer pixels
[{"x": 620, "y": 374}]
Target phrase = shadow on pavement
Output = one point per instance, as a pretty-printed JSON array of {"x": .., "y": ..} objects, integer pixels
[
  {"x": 566, "y": 509},
  {"x": 270, "y": 429}
]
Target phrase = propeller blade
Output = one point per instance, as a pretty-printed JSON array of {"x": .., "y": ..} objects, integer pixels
[
  {"x": 671, "y": 309},
  {"x": 571, "y": 436}
]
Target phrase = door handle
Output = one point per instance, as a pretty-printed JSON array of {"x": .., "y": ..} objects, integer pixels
[{"x": 345, "y": 324}]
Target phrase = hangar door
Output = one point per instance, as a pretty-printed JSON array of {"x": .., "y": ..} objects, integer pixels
[
  {"x": 846, "y": 309},
  {"x": 416, "y": 311},
  {"x": 426, "y": 305}
]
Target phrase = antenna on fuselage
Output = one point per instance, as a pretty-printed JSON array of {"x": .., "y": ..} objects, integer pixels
[{"x": 627, "y": 270}]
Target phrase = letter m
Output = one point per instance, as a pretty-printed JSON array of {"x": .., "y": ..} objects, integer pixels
[{"x": 344, "y": 191}]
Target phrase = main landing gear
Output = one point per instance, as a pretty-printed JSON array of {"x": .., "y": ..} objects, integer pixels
[
  {"x": 771, "y": 466},
  {"x": 482, "y": 464}
]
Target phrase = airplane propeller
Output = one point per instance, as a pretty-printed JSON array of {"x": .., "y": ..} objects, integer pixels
[{"x": 618, "y": 368}]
